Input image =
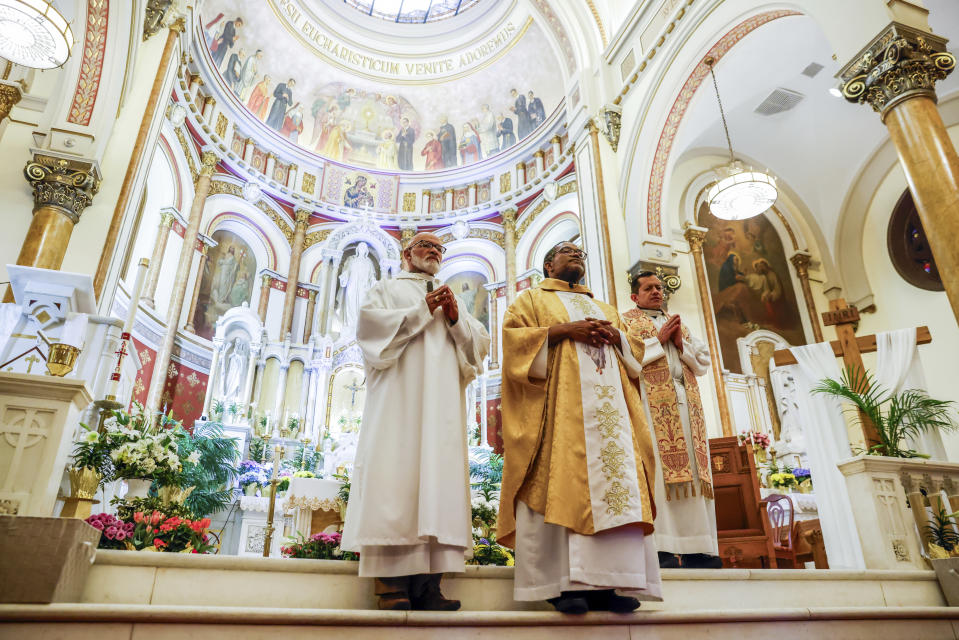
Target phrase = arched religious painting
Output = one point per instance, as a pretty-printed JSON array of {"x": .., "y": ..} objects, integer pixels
[
  {"x": 468, "y": 285},
  {"x": 347, "y": 396},
  {"x": 227, "y": 281},
  {"x": 359, "y": 270},
  {"x": 749, "y": 283}
]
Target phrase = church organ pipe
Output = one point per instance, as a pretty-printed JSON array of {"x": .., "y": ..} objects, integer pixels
[
  {"x": 696, "y": 236},
  {"x": 204, "y": 249},
  {"x": 296, "y": 254},
  {"x": 136, "y": 163},
  {"x": 156, "y": 261},
  {"x": 180, "y": 280}
]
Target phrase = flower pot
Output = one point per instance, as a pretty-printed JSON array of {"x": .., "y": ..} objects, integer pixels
[
  {"x": 84, "y": 482},
  {"x": 250, "y": 489},
  {"x": 174, "y": 495},
  {"x": 137, "y": 487}
]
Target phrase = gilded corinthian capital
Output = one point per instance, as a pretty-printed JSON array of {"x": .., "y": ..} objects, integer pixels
[
  {"x": 209, "y": 160},
  {"x": 10, "y": 94},
  {"x": 900, "y": 63},
  {"x": 61, "y": 183},
  {"x": 156, "y": 16}
]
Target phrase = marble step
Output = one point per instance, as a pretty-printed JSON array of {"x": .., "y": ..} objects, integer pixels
[
  {"x": 122, "y": 577},
  {"x": 183, "y": 622}
]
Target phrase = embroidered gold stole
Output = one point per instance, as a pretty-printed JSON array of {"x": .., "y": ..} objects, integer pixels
[{"x": 665, "y": 415}]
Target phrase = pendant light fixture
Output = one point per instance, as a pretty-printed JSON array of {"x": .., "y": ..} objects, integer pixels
[
  {"x": 33, "y": 33},
  {"x": 739, "y": 193}
]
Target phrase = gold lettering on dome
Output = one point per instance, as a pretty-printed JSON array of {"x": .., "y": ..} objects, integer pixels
[{"x": 327, "y": 44}]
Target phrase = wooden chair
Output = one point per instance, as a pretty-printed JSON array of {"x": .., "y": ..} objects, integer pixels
[
  {"x": 781, "y": 513},
  {"x": 745, "y": 539}
]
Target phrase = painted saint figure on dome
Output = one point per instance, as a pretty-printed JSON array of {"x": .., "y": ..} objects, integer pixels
[
  {"x": 233, "y": 68},
  {"x": 225, "y": 41},
  {"x": 504, "y": 132},
  {"x": 248, "y": 75},
  {"x": 404, "y": 140},
  {"x": 537, "y": 114},
  {"x": 337, "y": 144},
  {"x": 260, "y": 98},
  {"x": 386, "y": 153},
  {"x": 293, "y": 124},
  {"x": 470, "y": 145},
  {"x": 283, "y": 100},
  {"x": 522, "y": 113},
  {"x": 433, "y": 151},
  {"x": 487, "y": 131},
  {"x": 447, "y": 138}
]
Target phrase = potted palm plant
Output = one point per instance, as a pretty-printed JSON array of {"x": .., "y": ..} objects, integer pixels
[
  {"x": 898, "y": 417},
  {"x": 890, "y": 471}
]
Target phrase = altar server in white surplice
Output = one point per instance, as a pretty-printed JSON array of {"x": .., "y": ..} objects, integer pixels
[{"x": 409, "y": 510}]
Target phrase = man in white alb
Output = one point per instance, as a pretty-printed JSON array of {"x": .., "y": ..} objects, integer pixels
[
  {"x": 672, "y": 359},
  {"x": 409, "y": 510}
]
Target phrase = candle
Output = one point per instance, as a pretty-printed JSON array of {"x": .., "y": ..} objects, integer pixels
[{"x": 128, "y": 324}]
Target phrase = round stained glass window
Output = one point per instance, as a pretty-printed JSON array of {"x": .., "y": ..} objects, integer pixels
[
  {"x": 908, "y": 247},
  {"x": 412, "y": 10}
]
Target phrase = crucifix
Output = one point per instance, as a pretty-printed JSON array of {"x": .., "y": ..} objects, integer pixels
[
  {"x": 354, "y": 388},
  {"x": 32, "y": 360},
  {"x": 850, "y": 348}
]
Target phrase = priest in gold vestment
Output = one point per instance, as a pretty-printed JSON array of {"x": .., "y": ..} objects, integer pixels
[
  {"x": 577, "y": 496},
  {"x": 672, "y": 359}
]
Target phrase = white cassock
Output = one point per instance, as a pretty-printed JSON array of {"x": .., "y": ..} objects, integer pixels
[
  {"x": 409, "y": 507},
  {"x": 687, "y": 525}
]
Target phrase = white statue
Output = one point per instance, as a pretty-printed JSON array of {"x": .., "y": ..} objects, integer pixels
[
  {"x": 357, "y": 277},
  {"x": 233, "y": 374},
  {"x": 791, "y": 439}
]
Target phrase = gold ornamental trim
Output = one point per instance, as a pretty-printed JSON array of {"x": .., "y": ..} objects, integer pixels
[
  {"x": 66, "y": 185},
  {"x": 900, "y": 63}
]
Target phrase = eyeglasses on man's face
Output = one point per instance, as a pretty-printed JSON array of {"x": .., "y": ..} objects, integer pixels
[
  {"x": 573, "y": 252},
  {"x": 426, "y": 244}
]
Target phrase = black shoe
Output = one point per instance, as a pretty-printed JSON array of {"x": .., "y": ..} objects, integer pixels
[
  {"x": 570, "y": 602},
  {"x": 430, "y": 598},
  {"x": 701, "y": 561},
  {"x": 609, "y": 600},
  {"x": 668, "y": 560}
]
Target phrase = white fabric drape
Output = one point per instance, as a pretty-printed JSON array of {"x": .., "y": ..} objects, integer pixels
[
  {"x": 828, "y": 443},
  {"x": 899, "y": 368},
  {"x": 10, "y": 314}
]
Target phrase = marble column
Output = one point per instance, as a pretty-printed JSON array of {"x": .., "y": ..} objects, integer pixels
[
  {"x": 204, "y": 249},
  {"x": 520, "y": 174},
  {"x": 448, "y": 199},
  {"x": 257, "y": 386},
  {"x": 323, "y": 294},
  {"x": 800, "y": 261},
  {"x": 309, "y": 419},
  {"x": 248, "y": 150},
  {"x": 10, "y": 95},
  {"x": 310, "y": 311},
  {"x": 291, "y": 176},
  {"x": 494, "y": 331},
  {"x": 293, "y": 276},
  {"x": 601, "y": 206},
  {"x": 305, "y": 390},
  {"x": 156, "y": 261},
  {"x": 139, "y": 161},
  {"x": 426, "y": 202},
  {"x": 696, "y": 236},
  {"x": 266, "y": 280},
  {"x": 509, "y": 246},
  {"x": 557, "y": 143},
  {"x": 896, "y": 76},
  {"x": 280, "y": 401},
  {"x": 540, "y": 162},
  {"x": 269, "y": 166},
  {"x": 250, "y": 374},
  {"x": 331, "y": 282},
  {"x": 218, "y": 344},
  {"x": 208, "y": 105},
  {"x": 195, "y": 88},
  {"x": 471, "y": 195},
  {"x": 62, "y": 188},
  {"x": 180, "y": 280}
]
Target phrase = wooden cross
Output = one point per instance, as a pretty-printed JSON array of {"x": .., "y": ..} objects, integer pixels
[{"x": 850, "y": 348}]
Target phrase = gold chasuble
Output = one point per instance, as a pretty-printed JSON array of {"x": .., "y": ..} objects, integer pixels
[
  {"x": 577, "y": 447},
  {"x": 667, "y": 423}
]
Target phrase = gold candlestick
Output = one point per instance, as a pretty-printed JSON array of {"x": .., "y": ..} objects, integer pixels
[{"x": 268, "y": 538}]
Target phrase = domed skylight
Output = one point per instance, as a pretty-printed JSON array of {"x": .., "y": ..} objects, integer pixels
[{"x": 412, "y": 10}]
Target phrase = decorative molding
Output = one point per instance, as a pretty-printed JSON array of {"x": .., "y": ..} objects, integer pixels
[
  {"x": 309, "y": 183},
  {"x": 91, "y": 64},
  {"x": 900, "y": 63},
  {"x": 409, "y": 202},
  {"x": 559, "y": 31},
  {"x": 316, "y": 237},
  {"x": 654, "y": 221},
  {"x": 10, "y": 95},
  {"x": 156, "y": 12},
  {"x": 492, "y": 235},
  {"x": 66, "y": 185},
  {"x": 185, "y": 146}
]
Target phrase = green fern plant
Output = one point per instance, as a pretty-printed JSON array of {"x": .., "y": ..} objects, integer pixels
[
  {"x": 942, "y": 530},
  {"x": 215, "y": 471},
  {"x": 898, "y": 416}
]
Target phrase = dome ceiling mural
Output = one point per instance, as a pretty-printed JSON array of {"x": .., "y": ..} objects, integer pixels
[
  {"x": 412, "y": 10},
  {"x": 394, "y": 124}
]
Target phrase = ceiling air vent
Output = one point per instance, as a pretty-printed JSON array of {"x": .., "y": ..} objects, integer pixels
[
  {"x": 778, "y": 101},
  {"x": 812, "y": 69}
]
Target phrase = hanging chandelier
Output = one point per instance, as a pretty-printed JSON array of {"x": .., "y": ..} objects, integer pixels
[
  {"x": 33, "y": 33},
  {"x": 739, "y": 193}
]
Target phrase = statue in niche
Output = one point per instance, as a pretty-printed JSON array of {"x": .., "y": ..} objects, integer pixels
[
  {"x": 233, "y": 373},
  {"x": 356, "y": 278}
]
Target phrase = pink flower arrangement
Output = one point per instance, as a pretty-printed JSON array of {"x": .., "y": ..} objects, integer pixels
[
  {"x": 115, "y": 532},
  {"x": 319, "y": 546},
  {"x": 757, "y": 438}
]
